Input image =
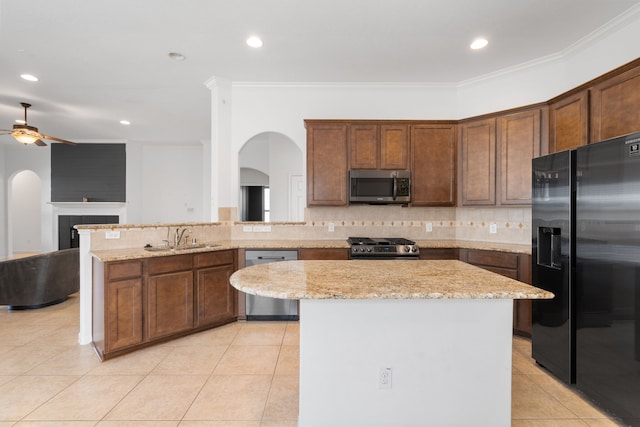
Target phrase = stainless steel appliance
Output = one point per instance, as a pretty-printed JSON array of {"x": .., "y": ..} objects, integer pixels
[
  {"x": 586, "y": 249},
  {"x": 379, "y": 186},
  {"x": 264, "y": 308},
  {"x": 382, "y": 248}
]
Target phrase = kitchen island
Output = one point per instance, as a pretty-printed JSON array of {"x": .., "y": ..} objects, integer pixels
[{"x": 411, "y": 343}]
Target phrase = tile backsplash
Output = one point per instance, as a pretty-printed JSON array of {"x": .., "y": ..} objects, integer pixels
[{"x": 511, "y": 225}]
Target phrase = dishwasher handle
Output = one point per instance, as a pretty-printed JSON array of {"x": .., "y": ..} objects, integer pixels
[{"x": 271, "y": 257}]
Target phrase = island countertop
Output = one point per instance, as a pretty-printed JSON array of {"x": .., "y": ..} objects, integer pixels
[{"x": 384, "y": 279}]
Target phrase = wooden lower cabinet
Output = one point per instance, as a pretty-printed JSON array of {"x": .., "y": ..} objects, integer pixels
[
  {"x": 169, "y": 304},
  {"x": 139, "y": 302},
  {"x": 216, "y": 301},
  {"x": 123, "y": 314},
  {"x": 512, "y": 265},
  {"x": 439, "y": 253}
]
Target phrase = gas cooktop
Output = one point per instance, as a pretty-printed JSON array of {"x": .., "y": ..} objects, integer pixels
[
  {"x": 383, "y": 247},
  {"x": 379, "y": 241}
]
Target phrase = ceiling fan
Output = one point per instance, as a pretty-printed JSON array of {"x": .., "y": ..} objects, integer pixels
[{"x": 29, "y": 134}]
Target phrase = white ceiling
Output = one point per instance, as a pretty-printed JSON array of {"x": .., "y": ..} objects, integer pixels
[{"x": 103, "y": 61}]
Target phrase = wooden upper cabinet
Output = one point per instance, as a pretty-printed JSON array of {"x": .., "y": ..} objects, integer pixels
[
  {"x": 519, "y": 143},
  {"x": 363, "y": 147},
  {"x": 615, "y": 106},
  {"x": 326, "y": 164},
  {"x": 433, "y": 165},
  {"x": 394, "y": 147},
  {"x": 569, "y": 122},
  {"x": 373, "y": 146},
  {"x": 478, "y": 162}
]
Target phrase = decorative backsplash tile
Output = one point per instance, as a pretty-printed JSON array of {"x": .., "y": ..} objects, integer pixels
[{"x": 512, "y": 225}]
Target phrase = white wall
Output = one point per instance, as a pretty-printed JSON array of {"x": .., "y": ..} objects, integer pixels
[
  {"x": 285, "y": 160},
  {"x": 171, "y": 183},
  {"x": 18, "y": 158},
  {"x": 3, "y": 205},
  {"x": 26, "y": 210}
]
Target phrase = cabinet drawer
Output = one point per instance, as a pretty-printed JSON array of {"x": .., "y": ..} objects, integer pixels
[
  {"x": 438, "y": 253},
  {"x": 124, "y": 270},
  {"x": 171, "y": 263},
  {"x": 214, "y": 258},
  {"x": 322, "y": 253},
  {"x": 512, "y": 274},
  {"x": 494, "y": 259}
]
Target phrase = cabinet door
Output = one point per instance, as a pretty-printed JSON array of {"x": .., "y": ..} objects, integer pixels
[
  {"x": 478, "y": 158},
  {"x": 519, "y": 142},
  {"x": 326, "y": 164},
  {"x": 615, "y": 106},
  {"x": 569, "y": 122},
  {"x": 124, "y": 314},
  {"x": 433, "y": 165},
  {"x": 216, "y": 297},
  {"x": 394, "y": 147},
  {"x": 363, "y": 147},
  {"x": 170, "y": 303}
]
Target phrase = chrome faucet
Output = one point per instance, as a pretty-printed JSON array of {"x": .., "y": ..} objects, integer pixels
[{"x": 178, "y": 236}]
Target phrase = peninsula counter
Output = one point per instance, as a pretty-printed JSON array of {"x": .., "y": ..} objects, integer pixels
[{"x": 402, "y": 343}]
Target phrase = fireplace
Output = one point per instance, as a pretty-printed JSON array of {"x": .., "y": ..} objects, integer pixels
[{"x": 68, "y": 214}]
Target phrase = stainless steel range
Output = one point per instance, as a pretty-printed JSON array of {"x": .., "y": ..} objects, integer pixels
[{"x": 383, "y": 248}]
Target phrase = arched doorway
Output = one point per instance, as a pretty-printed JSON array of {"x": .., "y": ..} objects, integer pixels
[
  {"x": 25, "y": 214},
  {"x": 279, "y": 161}
]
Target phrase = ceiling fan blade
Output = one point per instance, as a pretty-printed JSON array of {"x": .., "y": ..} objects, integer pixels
[
  {"x": 40, "y": 143},
  {"x": 53, "y": 138}
]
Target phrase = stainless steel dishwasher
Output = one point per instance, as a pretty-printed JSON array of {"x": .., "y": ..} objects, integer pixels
[{"x": 265, "y": 308}]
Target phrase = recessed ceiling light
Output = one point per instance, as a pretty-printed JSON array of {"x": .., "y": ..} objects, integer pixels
[
  {"x": 479, "y": 43},
  {"x": 254, "y": 41},
  {"x": 176, "y": 56},
  {"x": 125, "y": 122},
  {"x": 29, "y": 77}
]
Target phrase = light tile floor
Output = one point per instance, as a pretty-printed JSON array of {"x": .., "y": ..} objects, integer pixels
[{"x": 239, "y": 375}]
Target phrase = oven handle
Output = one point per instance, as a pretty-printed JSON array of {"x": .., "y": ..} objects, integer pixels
[{"x": 395, "y": 187}]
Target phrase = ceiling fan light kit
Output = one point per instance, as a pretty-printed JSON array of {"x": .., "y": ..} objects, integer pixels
[{"x": 26, "y": 134}]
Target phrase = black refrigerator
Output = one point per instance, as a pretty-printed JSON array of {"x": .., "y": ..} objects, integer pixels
[{"x": 586, "y": 250}]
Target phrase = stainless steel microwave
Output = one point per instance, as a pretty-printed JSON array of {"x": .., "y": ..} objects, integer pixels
[{"x": 379, "y": 186}]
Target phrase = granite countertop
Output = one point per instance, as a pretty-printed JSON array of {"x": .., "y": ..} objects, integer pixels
[
  {"x": 124, "y": 254},
  {"x": 472, "y": 244},
  {"x": 136, "y": 253},
  {"x": 380, "y": 280}
]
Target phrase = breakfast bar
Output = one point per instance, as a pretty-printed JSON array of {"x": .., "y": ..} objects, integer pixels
[{"x": 402, "y": 343}]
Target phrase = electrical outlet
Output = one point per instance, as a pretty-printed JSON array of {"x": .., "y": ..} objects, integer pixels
[
  {"x": 112, "y": 234},
  {"x": 384, "y": 378},
  {"x": 332, "y": 227},
  {"x": 428, "y": 227},
  {"x": 493, "y": 228}
]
